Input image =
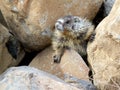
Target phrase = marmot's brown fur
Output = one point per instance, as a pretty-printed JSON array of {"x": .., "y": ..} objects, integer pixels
[{"x": 71, "y": 32}]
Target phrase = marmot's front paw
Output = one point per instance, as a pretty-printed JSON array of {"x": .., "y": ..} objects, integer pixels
[
  {"x": 56, "y": 58},
  {"x": 92, "y": 37}
]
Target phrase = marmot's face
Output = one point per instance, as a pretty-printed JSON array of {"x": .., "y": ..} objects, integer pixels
[
  {"x": 72, "y": 24},
  {"x": 68, "y": 23},
  {"x": 77, "y": 24}
]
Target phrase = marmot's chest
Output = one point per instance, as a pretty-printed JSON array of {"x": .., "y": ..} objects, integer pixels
[
  {"x": 70, "y": 40},
  {"x": 73, "y": 37}
]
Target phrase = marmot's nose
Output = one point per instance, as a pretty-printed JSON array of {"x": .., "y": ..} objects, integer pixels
[{"x": 60, "y": 27}]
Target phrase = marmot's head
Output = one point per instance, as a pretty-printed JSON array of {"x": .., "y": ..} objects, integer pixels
[{"x": 72, "y": 23}]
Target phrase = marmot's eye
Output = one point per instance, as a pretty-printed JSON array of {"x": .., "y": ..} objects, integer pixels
[
  {"x": 67, "y": 22},
  {"x": 76, "y": 20}
]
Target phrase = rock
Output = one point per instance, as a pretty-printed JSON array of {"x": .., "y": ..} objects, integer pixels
[
  {"x": 71, "y": 64},
  {"x": 104, "y": 51},
  {"x": 28, "y": 78},
  {"x": 6, "y": 58},
  {"x": 28, "y": 18},
  {"x": 87, "y": 85}
]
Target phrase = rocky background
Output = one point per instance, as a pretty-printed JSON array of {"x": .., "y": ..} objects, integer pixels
[{"x": 26, "y": 54}]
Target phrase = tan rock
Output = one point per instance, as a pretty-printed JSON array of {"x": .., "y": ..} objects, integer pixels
[
  {"x": 39, "y": 15},
  {"x": 50, "y": 11},
  {"x": 6, "y": 60},
  {"x": 27, "y": 78},
  {"x": 104, "y": 52},
  {"x": 71, "y": 64}
]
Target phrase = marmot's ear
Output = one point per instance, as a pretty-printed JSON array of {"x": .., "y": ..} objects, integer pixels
[{"x": 76, "y": 19}]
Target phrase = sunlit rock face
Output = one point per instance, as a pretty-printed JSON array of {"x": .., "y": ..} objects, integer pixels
[{"x": 104, "y": 51}]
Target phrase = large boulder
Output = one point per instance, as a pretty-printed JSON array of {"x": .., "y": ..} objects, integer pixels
[
  {"x": 71, "y": 64},
  {"x": 28, "y": 78},
  {"x": 28, "y": 18},
  {"x": 104, "y": 51},
  {"x": 9, "y": 56}
]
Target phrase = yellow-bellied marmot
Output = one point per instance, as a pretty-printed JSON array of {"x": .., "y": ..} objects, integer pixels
[{"x": 71, "y": 32}]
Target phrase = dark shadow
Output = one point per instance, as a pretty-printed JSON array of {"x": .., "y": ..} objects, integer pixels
[{"x": 28, "y": 58}]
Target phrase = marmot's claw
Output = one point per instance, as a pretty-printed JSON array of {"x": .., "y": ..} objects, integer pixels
[{"x": 92, "y": 37}]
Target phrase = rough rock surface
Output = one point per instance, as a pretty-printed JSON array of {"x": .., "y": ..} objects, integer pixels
[
  {"x": 28, "y": 78},
  {"x": 27, "y": 18},
  {"x": 104, "y": 51},
  {"x": 6, "y": 59},
  {"x": 87, "y": 85},
  {"x": 71, "y": 64}
]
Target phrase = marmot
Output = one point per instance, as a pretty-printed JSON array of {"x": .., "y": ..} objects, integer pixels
[{"x": 71, "y": 32}]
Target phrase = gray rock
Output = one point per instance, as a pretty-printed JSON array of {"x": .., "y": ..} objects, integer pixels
[
  {"x": 87, "y": 85},
  {"x": 108, "y": 4},
  {"x": 28, "y": 78}
]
